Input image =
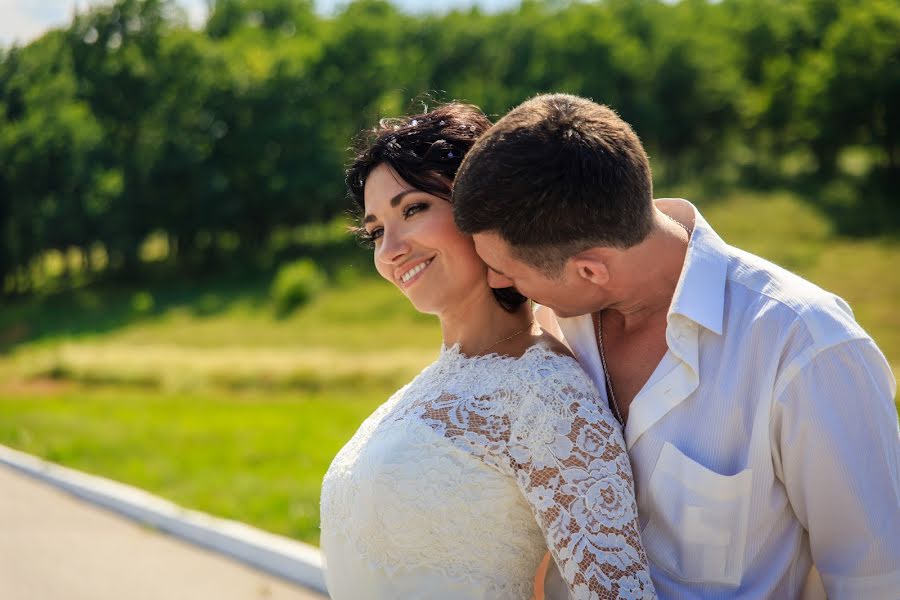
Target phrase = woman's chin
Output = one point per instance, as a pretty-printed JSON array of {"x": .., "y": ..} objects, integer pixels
[
  {"x": 428, "y": 303},
  {"x": 426, "y": 308}
]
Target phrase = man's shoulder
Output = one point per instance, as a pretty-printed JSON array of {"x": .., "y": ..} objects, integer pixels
[{"x": 776, "y": 296}]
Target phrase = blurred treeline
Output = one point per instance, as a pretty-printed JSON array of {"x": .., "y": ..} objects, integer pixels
[{"x": 129, "y": 127}]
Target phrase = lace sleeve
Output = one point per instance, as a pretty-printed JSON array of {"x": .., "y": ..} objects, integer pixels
[
  {"x": 567, "y": 454},
  {"x": 570, "y": 462}
]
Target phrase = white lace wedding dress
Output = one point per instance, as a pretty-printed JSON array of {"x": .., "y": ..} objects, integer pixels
[{"x": 458, "y": 484}]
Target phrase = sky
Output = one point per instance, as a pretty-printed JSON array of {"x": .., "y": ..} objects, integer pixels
[{"x": 24, "y": 20}]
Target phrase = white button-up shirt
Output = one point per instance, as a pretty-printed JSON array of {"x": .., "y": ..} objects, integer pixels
[{"x": 765, "y": 445}]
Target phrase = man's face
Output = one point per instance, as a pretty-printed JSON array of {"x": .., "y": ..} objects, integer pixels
[{"x": 565, "y": 295}]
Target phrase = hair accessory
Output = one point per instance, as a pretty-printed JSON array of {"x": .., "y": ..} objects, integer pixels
[
  {"x": 442, "y": 123},
  {"x": 414, "y": 122}
]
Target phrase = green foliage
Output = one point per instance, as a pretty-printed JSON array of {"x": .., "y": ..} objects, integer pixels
[
  {"x": 296, "y": 284},
  {"x": 127, "y": 125}
]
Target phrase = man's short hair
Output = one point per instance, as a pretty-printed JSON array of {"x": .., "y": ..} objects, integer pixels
[{"x": 557, "y": 175}]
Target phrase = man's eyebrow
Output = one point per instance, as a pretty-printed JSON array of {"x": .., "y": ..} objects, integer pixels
[{"x": 394, "y": 202}]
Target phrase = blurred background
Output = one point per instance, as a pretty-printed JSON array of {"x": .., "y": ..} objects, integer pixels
[{"x": 181, "y": 307}]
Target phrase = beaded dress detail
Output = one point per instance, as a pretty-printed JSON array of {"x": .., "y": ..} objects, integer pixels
[{"x": 460, "y": 482}]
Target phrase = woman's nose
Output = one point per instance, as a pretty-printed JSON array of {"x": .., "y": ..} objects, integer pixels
[{"x": 394, "y": 246}]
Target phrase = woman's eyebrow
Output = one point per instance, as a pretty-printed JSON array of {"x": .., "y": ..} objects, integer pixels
[
  {"x": 396, "y": 199},
  {"x": 394, "y": 202}
]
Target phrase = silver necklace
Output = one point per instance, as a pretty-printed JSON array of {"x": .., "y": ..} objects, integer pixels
[
  {"x": 609, "y": 388},
  {"x": 614, "y": 403},
  {"x": 509, "y": 337},
  {"x": 680, "y": 224}
]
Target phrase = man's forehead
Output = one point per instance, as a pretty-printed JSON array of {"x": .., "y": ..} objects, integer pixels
[
  {"x": 498, "y": 255},
  {"x": 490, "y": 246},
  {"x": 489, "y": 240}
]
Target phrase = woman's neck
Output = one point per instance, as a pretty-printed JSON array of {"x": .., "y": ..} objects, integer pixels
[{"x": 479, "y": 324}]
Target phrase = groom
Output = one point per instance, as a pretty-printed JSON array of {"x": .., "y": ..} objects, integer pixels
[{"x": 758, "y": 414}]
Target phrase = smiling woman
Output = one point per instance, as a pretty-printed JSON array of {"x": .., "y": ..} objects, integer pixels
[
  {"x": 409, "y": 167},
  {"x": 457, "y": 486},
  {"x": 416, "y": 241}
]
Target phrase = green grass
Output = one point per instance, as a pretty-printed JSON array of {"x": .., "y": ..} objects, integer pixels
[
  {"x": 255, "y": 457},
  {"x": 202, "y": 394}
]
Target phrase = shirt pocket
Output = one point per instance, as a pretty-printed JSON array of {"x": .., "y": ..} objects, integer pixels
[{"x": 697, "y": 530}]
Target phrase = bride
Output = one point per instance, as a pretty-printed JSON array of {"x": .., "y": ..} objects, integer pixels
[{"x": 457, "y": 485}]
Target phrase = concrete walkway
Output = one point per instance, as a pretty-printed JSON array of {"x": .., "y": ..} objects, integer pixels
[{"x": 54, "y": 546}]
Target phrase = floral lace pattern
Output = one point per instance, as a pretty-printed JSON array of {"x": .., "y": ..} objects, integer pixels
[{"x": 537, "y": 421}]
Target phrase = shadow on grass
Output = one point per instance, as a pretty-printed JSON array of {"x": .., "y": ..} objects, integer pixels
[
  {"x": 858, "y": 205},
  {"x": 105, "y": 306},
  {"x": 109, "y": 304}
]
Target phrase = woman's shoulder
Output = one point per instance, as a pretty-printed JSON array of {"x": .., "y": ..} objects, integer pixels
[
  {"x": 545, "y": 350},
  {"x": 540, "y": 366},
  {"x": 552, "y": 345},
  {"x": 551, "y": 365}
]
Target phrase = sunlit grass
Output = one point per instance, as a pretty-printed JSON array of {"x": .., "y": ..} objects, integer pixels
[
  {"x": 182, "y": 368},
  {"x": 256, "y": 457}
]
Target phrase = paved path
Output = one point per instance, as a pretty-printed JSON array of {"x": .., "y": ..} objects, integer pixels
[{"x": 56, "y": 547}]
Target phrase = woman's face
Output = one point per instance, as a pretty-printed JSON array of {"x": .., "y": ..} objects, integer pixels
[{"x": 417, "y": 245}]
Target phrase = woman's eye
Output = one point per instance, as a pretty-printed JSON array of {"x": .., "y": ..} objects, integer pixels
[
  {"x": 414, "y": 208},
  {"x": 374, "y": 234}
]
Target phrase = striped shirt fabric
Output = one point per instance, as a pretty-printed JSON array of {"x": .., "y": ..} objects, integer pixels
[{"x": 765, "y": 446}]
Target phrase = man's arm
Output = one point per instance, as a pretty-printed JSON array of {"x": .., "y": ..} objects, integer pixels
[{"x": 836, "y": 444}]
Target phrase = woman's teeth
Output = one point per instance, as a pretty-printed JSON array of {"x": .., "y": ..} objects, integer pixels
[{"x": 416, "y": 269}]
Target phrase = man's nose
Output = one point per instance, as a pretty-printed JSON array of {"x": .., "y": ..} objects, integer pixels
[{"x": 498, "y": 281}]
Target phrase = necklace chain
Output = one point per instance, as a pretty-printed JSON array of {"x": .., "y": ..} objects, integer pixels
[
  {"x": 509, "y": 337},
  {"x": 680, "y": 224},
  {"x": 609, "y": 388},
  {"x": 614, "y": 403}
]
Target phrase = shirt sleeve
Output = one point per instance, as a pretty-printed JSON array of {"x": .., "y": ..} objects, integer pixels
[
  {"x": 572, "y": 467},
  {"x": 836, "y": 445}
]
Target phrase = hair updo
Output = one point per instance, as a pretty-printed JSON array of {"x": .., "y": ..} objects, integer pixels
[{"x": 425, "y": 150}]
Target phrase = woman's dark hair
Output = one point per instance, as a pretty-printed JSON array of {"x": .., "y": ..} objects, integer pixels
[{"x": 425, "y": 150}]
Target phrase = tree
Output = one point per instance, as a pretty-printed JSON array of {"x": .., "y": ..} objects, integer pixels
[
  {"x": 850, "y": 90},
  {"x": 51, "y": 144}
]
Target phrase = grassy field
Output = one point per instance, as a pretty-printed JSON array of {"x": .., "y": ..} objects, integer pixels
[
  {"x": 201, "y": 394},
  {"x": 255, "y": 456}
]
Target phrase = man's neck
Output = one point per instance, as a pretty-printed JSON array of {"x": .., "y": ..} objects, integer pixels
[{"x": 650, "y": 273}]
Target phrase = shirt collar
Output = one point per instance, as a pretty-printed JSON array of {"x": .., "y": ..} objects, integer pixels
[{"x": 700, "y": 293}]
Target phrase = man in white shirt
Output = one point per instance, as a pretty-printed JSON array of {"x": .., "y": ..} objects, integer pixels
[{"x": 758, "y": 414}]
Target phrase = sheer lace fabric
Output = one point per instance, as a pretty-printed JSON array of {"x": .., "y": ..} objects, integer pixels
[{"x": 467, "y": 474}]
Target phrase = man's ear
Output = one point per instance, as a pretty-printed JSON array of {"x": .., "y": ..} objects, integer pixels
[{"x": 590, "y": 265}]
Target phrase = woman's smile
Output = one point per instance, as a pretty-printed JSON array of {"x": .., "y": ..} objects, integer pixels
[{"x": 410, "y": 276}]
